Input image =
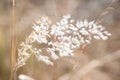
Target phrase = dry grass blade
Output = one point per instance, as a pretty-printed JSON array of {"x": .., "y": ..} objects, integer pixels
[
  {"x": 13, "y": 44},
  {"x": 90, "y": 66}
]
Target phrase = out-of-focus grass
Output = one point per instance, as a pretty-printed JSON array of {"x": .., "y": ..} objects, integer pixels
[
  {"x": 4, "y": 60},
  {"x": 26, "y": 11}
]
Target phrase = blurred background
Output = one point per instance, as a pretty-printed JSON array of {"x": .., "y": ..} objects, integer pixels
[{"x": 27, "y": 11}]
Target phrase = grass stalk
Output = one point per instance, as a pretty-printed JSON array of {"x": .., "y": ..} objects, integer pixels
[{"x": 12, "y": 55}]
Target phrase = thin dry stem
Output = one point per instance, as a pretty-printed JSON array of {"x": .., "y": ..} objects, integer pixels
[
  {"x": 105, "y": 12},
  {"x": 13, "y": 46}
]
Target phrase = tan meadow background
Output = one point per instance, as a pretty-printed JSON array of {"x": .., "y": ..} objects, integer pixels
[{"x": 27, "y": 11}]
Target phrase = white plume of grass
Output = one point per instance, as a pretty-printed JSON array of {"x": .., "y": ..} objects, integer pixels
[{"x": 61, "y": 39}]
